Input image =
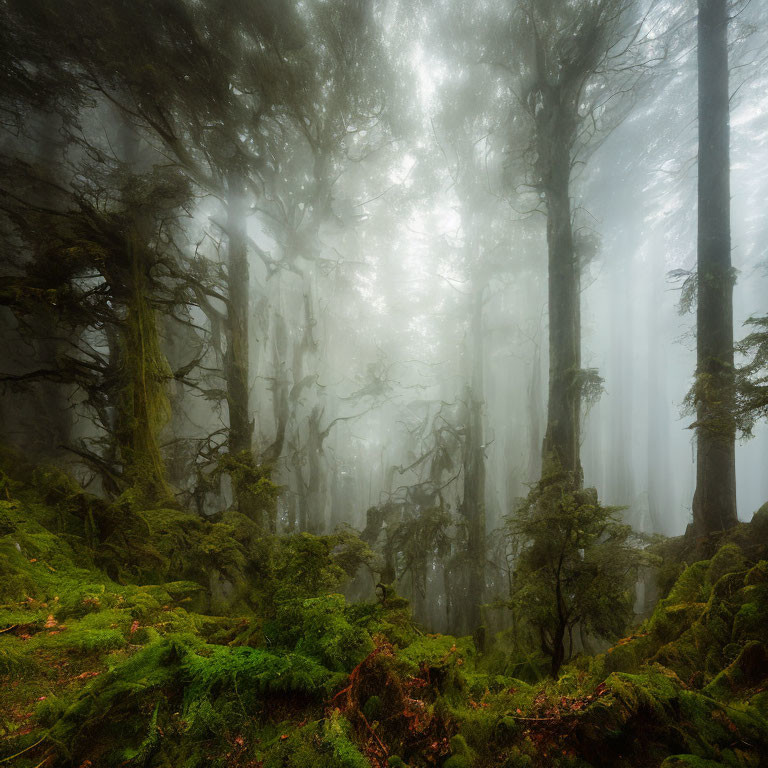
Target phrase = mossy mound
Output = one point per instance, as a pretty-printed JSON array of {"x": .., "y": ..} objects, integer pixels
[
  {"x": 715, "y": 610},
  {"x": 643, "y": 718}
]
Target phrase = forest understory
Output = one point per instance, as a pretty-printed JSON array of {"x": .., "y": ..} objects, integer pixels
[
  {"x": 117, "y": 649},
  {"x": 362, "y": 363}
]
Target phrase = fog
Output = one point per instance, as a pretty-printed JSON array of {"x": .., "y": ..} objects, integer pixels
[{"x": 375, "y": 167}]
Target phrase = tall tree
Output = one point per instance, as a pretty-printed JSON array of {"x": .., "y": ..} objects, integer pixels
[
  {"x": 577, "y": 61},
  {"x": 714, "y": 501},
  {"x": 473, "y": 505},
  {"x": 109, "y": 228}
]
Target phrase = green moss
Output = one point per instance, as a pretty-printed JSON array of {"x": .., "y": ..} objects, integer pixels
[
  {"x": 757, "y": 575},
  {"x": 507, "y": 729},
  {"x": 748, "y": 670},
  {"x": 728, "y": 559},
  {"x": 51, "y": 709},
  {"x": 82, "y": 641},
  {"x": 204, "y": 720},
  {"x": 751, "y": 621},
  {"x": 656, "y": 708},
  {"x": 372, "y": 708},
  {"x": 15, "y": 659},
  {"x": 143, "y": 753},
  {"x": 457, "y": 761},
  {"x": 142, "y": 407},
  {"x": 328, "y": 636},
  {"x": 461, "y": 755},
  {"x": 689, "y": 761},
  {"x": 691, "y": 586},
  {"x": 437, "y": 649},
  {"x": 324, "y": 743},
  {"x": 344, "y": 753},
  {"x": 669, "y": 621}
]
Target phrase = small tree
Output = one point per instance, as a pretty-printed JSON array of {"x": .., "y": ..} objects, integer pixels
[{"x": 576, "y": 565}]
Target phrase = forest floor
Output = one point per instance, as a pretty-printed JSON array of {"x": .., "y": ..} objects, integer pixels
[{"x": 111, "y": 654}]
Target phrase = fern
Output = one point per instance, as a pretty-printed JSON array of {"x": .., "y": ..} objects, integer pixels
[{"x": 255, "y": 670}]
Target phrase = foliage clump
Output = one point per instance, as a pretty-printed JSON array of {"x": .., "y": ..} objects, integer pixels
[{"x": 576, "y": 565}]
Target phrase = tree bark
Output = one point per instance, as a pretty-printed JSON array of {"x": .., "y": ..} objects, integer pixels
[
  {"x": 561, "y": 440},
  {"x": 314, "y": 517},
  {"x": 714, "y": 502},
  {"x": 535, "y": 407},
  {"x": 558, "y": 652},
  {"x": 236, "y": 356},
  {"x": 143, "y": 405}
]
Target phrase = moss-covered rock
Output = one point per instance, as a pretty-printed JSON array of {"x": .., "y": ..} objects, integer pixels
[{"x": 748, "y": 671}]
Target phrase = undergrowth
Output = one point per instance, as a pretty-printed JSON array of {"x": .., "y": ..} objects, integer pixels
[{"x": 119, "y": 648}]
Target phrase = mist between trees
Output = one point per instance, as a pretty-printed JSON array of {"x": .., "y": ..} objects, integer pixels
[{"x": 399, "y": 260}]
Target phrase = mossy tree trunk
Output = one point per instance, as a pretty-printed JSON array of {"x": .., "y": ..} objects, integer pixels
[
  {"x": 143, "y": 406},
  {"x": 714, "y": 502},
  {"x": 555, "y": 134}
]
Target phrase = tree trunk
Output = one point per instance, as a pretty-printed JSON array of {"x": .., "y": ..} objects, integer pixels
[
  {"x": 561, "y": 441},
  {"x": 714, "y": 502},
  {"x": 558, "y": 638},
  {"x": 143, "y": 406},
  {"x": 658, "y": 418},
  {"x": 473, "y": 504},
  {"x": 236, "y": 356},
  {"x": 535, "y": 407},
  {"x": 281, "y": 388},
  {"x": 316, "y": 472}
]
